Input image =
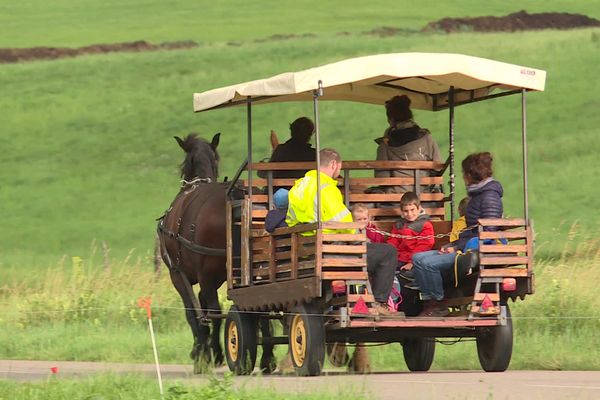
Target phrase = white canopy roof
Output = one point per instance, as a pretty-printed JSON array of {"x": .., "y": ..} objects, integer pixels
[{"x": 425, "y": 77}]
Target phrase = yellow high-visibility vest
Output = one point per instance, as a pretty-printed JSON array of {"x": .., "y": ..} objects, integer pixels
[{"x": 302, "y": 207}]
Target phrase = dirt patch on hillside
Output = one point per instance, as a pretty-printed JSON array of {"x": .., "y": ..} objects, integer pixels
[
  {"x": 519, "y": 21},
  {"x": 52, "y": 53}
]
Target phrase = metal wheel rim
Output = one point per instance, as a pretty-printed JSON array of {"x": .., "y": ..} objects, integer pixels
[
  {"x": 298, "y": 340},
  {"x": 232, "y": 343}
]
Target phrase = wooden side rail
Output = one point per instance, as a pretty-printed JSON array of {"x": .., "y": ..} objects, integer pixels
[
  {"x": 509, "y": 247},
  {"x": 353, "y": 164}
]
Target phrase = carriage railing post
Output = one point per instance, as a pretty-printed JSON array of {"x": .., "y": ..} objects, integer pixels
[
  {"x": 524, "y": 140},
  {"x": 451, "y": 140},
  {"x": 249, "y": 220},
  {"x": 316, "y": 94}
]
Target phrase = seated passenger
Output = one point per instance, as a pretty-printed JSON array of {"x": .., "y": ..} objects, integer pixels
[
  {"x": 416, "y": 231},
  {"x": 276, "y": 218},
  {"x": 302, "y": 209},
  {"x": 485, "y": 201},
  {"x": 461, "y": 222},
  {"x": 404, "y": 140},
  {"x": 360, "y": 213},
  {"x": 297, "y": 148}
]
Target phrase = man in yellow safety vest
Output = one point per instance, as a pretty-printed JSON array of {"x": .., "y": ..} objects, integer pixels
[{"x": 302, "y": 209}]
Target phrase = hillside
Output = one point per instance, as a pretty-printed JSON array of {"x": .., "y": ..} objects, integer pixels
[{"x": 88, "y": 149}]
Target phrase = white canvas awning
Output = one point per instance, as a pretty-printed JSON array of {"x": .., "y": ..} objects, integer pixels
[{"x": 425, "y": 77}]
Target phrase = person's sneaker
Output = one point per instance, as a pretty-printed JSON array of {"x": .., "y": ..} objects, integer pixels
[
  {"x": 434, "y": 308},
  {"x": 407, "y": 275},
  {"x": 383, "y": 309}
]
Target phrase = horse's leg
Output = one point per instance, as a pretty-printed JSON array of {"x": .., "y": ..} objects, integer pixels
[
  {"x": 360, "y": 362},
  {"x": 190, "y": 314},
  {"x": 268, "y": 363},
  {"x": 209, "y": 297}
]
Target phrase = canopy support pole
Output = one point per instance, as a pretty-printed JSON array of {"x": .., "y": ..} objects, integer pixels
[
  {"x": 316, "y": 94},
  {"x": 524, "y": 141},
  {"x": 249, "y": 119},
  {"x": 451, "y": 140}
]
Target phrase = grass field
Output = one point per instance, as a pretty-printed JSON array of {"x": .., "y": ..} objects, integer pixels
[
  {"x": 84, "y": 312},
  {"x": 89, "y": 152},
  {"x": 88, "y": 158}
]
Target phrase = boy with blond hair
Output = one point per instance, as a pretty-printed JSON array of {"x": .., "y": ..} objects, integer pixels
[{"x": 360, "y": 213}]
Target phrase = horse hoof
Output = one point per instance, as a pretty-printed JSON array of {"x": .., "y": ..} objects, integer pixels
[
  {"x": 268, "y": 366},
  {"x": 219, "y": 360}
]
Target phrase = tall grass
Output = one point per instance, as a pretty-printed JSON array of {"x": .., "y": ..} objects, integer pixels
[{"x": 81, "y": 312}]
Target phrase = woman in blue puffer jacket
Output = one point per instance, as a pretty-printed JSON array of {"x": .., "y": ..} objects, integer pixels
[{"x": 485, "y": 201}]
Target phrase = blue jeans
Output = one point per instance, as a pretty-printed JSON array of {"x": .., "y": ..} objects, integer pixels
[{"x": 428, "y": 267}]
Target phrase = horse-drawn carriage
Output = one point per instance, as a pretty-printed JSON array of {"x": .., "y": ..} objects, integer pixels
[{"x": 318, "y": 284}]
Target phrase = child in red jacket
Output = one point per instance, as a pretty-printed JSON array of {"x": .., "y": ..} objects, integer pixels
[{"x": 417, "y": 232}]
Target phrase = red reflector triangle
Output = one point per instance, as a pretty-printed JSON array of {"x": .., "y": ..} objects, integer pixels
[
  {"x": 486, "y": 303},
  {"x": 360, "y": 307}
]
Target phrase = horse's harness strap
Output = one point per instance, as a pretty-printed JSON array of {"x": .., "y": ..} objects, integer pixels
[{"x": 188, "y": 244}]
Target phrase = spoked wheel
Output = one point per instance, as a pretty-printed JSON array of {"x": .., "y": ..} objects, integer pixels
[
  {"x": 240, "y": 341},
  {"x": 418, "y": 353},
  {"x": 307, "y": 340},
  {"x": 494, "y": 345}
]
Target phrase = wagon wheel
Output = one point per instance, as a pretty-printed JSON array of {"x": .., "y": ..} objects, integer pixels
[
  {"x": 418, "y": 353},
  {"x": 240, "y": 341},
  {"x": 494, "y": 345},
  {"x": 307, "y": 340}
]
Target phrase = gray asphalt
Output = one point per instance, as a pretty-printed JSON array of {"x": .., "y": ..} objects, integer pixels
[{"x": 415, "y": 386}]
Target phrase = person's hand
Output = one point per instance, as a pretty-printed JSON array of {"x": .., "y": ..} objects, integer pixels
[
  {"x": 447, "y": 250},
  {"x": 406, "y": 267}
]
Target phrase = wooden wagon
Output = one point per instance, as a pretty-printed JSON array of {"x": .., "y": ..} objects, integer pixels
[{"x": 318, "y": 284}]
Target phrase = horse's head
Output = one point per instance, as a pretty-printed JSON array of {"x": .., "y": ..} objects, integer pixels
[{"x": 201, "y": 157}]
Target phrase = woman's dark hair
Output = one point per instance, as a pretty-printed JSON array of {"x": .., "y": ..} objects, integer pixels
[
  {"x": 478, "y": 166},
  {"x": 302, "y": 129},
  {"x": 398, "y": 108}
]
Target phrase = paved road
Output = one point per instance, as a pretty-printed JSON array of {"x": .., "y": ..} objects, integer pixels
[{"x": 547, "y": 385}]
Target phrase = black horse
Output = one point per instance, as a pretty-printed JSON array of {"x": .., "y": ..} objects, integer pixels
[{"x": 192, "y": 237}]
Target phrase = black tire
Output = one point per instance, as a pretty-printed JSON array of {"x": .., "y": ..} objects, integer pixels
[
  {"x": 307, "y": 340},
  {"x": 418, "y": 353},
  {"x": 240, "y": 341},
  {"x": 494, "y": 346}
]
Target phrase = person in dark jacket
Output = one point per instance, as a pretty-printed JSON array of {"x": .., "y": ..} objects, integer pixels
[
  {"x": 404, "y": 140},
  {"x": 485, "y": 201},
  {"x": 297, "y": 148},
  {"x": 276, "y": 218}
]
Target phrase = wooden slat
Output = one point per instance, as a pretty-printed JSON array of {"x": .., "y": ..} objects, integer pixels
[
  {"x": 425, "y": 180},
  {"x": 257, "y": 233},
  {"x": 272, "y": 263},
  {"x": 481, "y": 296},
  {"x": 396, "y": 212},
  {"x": 367, "y": 164},
  {"x": 345, "y": 237},
  {"x": 344, "y": 262},
  {"x": 245, "y": 245},
  {"x": 351, "y": 298},
  {"x": 503, "y": 272},
  {"x": 260, "y": 243},
  {"x": 276, "y": 182},
  {"x": 391, "y": 197},
  {"x": 341, "y": 225},
  {"x": 502, "y": 222},
  {"x": 503, "y": 248},
  {"x": 294, "y": 255},
  {"x": 344, "y": 249},
  {"x": 318, "y": 259},
  {"x": 283, "y": 242},
  {"x": 530, "y": 249},
  {"x": 344, "y": 275},
  {"x": 503, "y": 235},
  {"x": 296, "y": 228},
  {"x": 503, "y": 260},
  {"x": 229, "y": 237},
  {"x": 307, "y": 239},
  {"x": 259, "y": 214}
]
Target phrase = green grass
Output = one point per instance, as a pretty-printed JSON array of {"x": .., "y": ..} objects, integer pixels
[
  {"x": 83, "y": 22},
  {"x": 80, "y": 312},
  {"x": 132, "y": 387},
  {"x": 89, "y": 152}
]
